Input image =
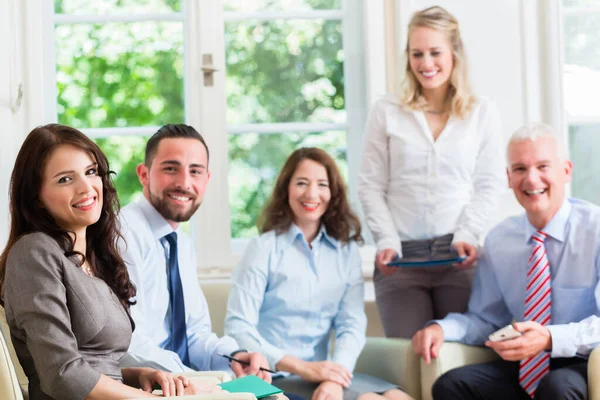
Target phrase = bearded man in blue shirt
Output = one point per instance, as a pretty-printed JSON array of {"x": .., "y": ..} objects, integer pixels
[
  {"x": 542, "y": 269},
  {"x": 173, "y": 330}
]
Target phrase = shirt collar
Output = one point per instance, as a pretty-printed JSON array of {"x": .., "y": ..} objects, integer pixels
[
  {"x": 557, "y": 225},
  {"x": 159, "y": 226},
  {"x": 294, "y": 232}
]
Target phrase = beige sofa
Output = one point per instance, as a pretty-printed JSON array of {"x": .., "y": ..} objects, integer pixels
[{"x": 394, "y": 359}]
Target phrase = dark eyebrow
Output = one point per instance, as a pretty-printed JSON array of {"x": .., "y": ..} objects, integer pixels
[
  {"x": 72, "y": 172},
  {"x": 170, "y": 162},
  {"x": 177, "y": 163},
  {"x": 301, "y": 178}
]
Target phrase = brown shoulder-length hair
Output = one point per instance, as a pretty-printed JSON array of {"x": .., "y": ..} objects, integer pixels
[
  {"x": 27, "y": 216},
  {"x": 339, "y": 219}
]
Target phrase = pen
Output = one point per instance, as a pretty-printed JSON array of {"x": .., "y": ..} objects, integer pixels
[{"x": 245, "y": 363}]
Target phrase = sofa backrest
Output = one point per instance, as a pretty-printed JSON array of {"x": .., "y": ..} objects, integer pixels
[{"x": 217, "y": 292}]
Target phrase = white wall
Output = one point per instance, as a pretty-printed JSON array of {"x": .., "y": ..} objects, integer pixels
[{"x": 10, "y": 117}]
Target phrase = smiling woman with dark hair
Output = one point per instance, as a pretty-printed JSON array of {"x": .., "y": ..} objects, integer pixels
[
  {"x": 302, "y": 279},
  {"x": 64, "y": 285}
]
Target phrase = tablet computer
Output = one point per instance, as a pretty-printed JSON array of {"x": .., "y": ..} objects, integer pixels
[{"x": 425, "y": 261}]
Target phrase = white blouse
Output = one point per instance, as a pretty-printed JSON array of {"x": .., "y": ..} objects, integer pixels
[{"x": 412, "y": 187}]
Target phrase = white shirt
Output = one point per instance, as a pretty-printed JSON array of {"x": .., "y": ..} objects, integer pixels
[
  {"x": 412, "y": 187},
  {"x": 146, "y": 255}
]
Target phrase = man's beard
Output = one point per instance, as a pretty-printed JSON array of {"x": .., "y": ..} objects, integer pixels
[{"x": 163, "y": 207}]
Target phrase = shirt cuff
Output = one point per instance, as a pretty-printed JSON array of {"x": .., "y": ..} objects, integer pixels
[
  {"x": 221, "y": 363},
  {"x": 562, "y": 342},
  {"x": 273, "y": 356},
  {"x": 454, "y": 331},
  {"x": 387, "y": 243},
  {"x": 463, "y": 235}
]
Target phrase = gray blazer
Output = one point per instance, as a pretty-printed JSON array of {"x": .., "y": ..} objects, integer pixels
[{"x": 67, "y": 327}]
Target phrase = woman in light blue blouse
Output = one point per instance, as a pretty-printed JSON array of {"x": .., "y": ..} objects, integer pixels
[{"x": 301, "y": 278}]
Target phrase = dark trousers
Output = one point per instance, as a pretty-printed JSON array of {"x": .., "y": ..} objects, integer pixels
[
  {"x": 500, "y": 380},
  {"x": 410, "y": 297}
]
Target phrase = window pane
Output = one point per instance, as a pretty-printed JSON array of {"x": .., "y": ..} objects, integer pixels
[
  {"x": 96, "y": 7},
  {"x": 584, "y": 142},
  {"x": 254, "y": 163},
  {"x": 281, "y": 5},
  {"x": 120, "y": 74},
  {"x": 124, "y": 153},
  {"x": 284, "y": 71},
  {"x": 581, "y": 3},
  {"x": 582, "y": 64}
]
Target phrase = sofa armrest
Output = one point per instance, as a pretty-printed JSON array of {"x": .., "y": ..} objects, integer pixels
[
  {"x": 594, "y": 374},
  {"x": 393, "y": 360},
  {"x": 452, "y": 355}
]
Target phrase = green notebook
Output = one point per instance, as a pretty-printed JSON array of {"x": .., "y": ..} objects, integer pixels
[{"x": 251, "y": 384}]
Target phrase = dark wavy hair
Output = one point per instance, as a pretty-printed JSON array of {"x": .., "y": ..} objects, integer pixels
[
  {"x": 27, "y": 216},
  {"x": 339, "y": 219}
]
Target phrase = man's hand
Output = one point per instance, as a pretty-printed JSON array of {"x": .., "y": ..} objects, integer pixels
[
  {"x": 534, "y": 339},
  {"x": 427, "y": 342},
  {"x": 328, "y": 391},
  {"x": 464, "y": 249},
  {"x": 256, "y": 361},
  {"x": 383, "y": 258},
  {"x": 320, "y": 371}
]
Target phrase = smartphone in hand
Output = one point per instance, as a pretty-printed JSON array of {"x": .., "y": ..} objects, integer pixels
[{"x": 508, "y": 332}]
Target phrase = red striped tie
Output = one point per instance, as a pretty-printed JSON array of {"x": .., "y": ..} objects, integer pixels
[{"x": 538, "y": 304}]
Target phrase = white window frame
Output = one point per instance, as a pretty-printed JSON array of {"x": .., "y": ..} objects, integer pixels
[
  {"x": 555, "y": 60},
  {"x": 575, "y": 11},
  {"x": 217, "y": 251}
]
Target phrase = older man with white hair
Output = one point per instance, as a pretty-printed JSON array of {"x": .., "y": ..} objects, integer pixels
[{"x": 542, "y": 269}]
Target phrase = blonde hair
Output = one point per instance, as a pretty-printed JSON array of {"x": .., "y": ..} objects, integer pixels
[{"x": 460, "y": 95}]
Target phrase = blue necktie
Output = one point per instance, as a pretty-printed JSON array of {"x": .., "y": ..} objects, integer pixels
[{"x": 178, "y": 331}]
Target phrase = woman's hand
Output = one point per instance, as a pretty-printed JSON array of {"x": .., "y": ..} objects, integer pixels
[
  {"x": 319, "y": 371},
  {"x": 170, "y": 385},
  {"x": 383, "y": 258},
  {"x": 464, "y": 249},
  {"x": 328, "y": 391},
  {"x": 174, "y": 386}
]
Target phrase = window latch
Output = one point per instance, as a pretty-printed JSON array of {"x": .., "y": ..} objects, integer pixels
[{"x": 208, "y": 69}]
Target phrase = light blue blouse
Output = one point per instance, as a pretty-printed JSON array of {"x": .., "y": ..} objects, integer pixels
[{"x": 286, "y": 298}]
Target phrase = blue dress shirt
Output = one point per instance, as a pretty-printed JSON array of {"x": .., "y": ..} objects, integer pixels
[
  {"x": 146, "y": 253},
  {"x": 286, "y": 298},
  {"x": 498, "y": 295}
]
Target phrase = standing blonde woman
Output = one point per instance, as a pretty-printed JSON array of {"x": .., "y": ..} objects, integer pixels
[{"x": 431, "y": 177}]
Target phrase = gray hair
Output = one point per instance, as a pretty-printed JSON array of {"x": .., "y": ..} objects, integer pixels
[{"x": 537, "y": 130}]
